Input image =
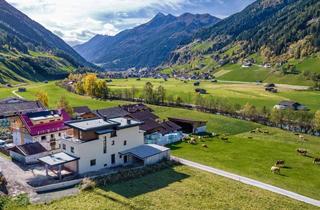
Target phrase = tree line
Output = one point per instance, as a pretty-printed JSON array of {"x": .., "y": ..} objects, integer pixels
[{"x": 89, "y": 84}]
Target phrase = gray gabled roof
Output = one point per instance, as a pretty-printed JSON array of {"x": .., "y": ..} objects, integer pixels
[
  {"x": 144, "y": 151},
  {"x": 15, "y": 106},
  {"x": 113, "y": 112}
]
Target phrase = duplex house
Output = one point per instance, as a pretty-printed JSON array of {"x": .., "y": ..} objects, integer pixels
[
  {"x": 155, "y": 130},
  {"x": 45, "y": 127},
  {"x": 107, "y": 143}
]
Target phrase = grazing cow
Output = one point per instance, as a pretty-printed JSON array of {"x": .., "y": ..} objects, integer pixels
[
  {"x": 302, "y": 151},
  {"x": 204, "y": 145},
  {"x": 280, "y": 163},
  {"x": 316, "y": 161},
  {"x": 275, "y": 170}
]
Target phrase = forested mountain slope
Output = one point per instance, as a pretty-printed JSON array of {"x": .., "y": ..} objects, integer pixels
[
  {"x": 282, "y": 33},
  {"x": 29, "y": 51}
]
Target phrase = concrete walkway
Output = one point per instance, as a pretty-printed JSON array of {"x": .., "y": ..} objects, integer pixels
[{"x": 249, "y": 181}]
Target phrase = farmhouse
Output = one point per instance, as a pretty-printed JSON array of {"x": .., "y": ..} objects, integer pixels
[
  {"x": 99, "y": 144},
  {"x": 290, "y": 105},
  {"x": 45, "y": 127}
]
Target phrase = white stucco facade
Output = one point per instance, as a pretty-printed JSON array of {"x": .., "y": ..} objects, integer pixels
[{"x": 103, "y": 152}]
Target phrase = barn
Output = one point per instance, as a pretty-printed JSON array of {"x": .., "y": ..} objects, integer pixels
[{"x": 190, "y": 126}]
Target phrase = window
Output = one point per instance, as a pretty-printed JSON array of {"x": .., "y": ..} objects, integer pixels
[
  {"x": 59, "y": 134},
  {"x": 125, "y": 143},
  {"x": 125, "y": 159},
  {"x": 112, "y": 143},
  {"x": 93, "y": 162},
  {"x": 113, "y": 159},
  {"x": 114, "y": 133},
  {"x": 43, "y": 138},
  {"x": 105, "y": 146},
  {"x": 63, "y": 146},
  {"x": 52, "y": 136},
  {"x": 72, "y": 149}
]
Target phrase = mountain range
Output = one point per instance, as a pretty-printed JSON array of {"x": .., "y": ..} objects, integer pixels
[
  {"x": 283, "y": 33},
  {"x": 147, "y": 45},
  {"x": 276, "y": 29},
  {"x": 29, "y": 51}
]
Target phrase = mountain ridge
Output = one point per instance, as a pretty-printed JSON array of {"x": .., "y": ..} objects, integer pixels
[
  {"x": 30, "y": 51},
  {"x": 146, "y": 45}
]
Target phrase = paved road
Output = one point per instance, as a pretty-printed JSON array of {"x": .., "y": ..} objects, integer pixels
[
  {"x": 249, "y": 181},
  {"x": 16, "y": 94}
]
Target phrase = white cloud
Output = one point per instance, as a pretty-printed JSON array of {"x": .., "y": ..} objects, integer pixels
[
  {"x": 76, "y": 21},
  {"x": 73, "y": 18}
]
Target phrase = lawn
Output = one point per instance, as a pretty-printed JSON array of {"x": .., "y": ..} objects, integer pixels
[
  {"x": 55, "y": 92},
  {"x": 252, "y": 155},
  {"x": 176, "y": 188},
  {"x": 5, "y": 92}
]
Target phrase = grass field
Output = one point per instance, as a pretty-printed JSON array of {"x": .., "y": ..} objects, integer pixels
[
  {"x": 237, "y": 73},
  {"x": 55, "y": 92},
  {"x": 176, "y": 188},
  {"x": 253, "y": 157},
  {"x": 230, "y": 93},
  {"x": 248, "y": 157}
]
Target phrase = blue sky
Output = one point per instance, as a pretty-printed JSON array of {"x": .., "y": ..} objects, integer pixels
[{"x": 76, "y": 21}]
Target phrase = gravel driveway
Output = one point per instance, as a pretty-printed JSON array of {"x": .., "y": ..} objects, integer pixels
[{"x": 16, "y": 177}]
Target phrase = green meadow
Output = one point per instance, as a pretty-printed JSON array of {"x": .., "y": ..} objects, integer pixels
[
  {"x": 233, "y": 93},
  {"x": 245, "y": 153},
  {"x": 174, "y": 188}
]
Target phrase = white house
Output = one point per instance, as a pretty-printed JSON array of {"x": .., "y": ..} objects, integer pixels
[{"x": 95, "y": 144}]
